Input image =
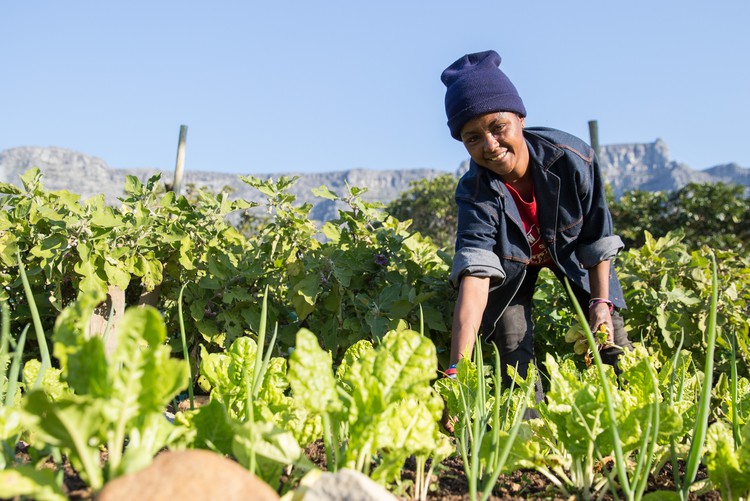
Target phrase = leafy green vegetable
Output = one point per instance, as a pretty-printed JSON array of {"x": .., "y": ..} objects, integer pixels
[
  {"x": 380, "y": 403},
  {"x": 728, "y": 468},
  {"x": 26, "y": 481},
  {"x": 117, "y": 398}
]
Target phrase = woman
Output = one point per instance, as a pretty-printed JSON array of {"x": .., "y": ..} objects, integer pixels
[{"x": 533, "y": 197}]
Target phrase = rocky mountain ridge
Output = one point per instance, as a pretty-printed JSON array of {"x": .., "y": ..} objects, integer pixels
[{"x": 641, "y": 166}]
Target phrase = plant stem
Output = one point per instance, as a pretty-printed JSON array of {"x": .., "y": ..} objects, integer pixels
[
  {"x": 733, "y": 391},
  {"x": 4, "y": 333},
  {"x": 673, "y": 440},
  {"x": 704, "y": 406},
  {"x": 40, "y": 337},
  {"x": 185, "y": 354},
  {"x": 329, "y": 443},
  {"x": 619, "y": 456},
  {"x": 15, "y": 368},
  {"x": 259, "y": 359}
]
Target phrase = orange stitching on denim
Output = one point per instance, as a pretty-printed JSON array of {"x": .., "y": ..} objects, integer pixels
[
  {"x": 587, "y": 159},
  {"x": 574, "y": 223}
]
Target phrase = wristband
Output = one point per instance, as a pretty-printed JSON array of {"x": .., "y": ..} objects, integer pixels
[{"x": 598, "y": 300}]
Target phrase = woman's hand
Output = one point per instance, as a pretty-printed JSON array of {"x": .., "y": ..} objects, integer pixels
[{"x": 599, "y": 315}]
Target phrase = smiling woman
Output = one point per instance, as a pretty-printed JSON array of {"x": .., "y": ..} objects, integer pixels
[{"x": 532, "y": 198}]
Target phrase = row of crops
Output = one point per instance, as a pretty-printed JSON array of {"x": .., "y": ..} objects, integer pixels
[{"x": 337, "y": 334}]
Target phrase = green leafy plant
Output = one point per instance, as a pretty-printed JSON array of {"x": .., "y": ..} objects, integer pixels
[
  {"x": 667, "y": 289},
  {"x": 728, "y": 465},
  {"x": 116, "y": 400},
  {"x": 429, "y": 205},
  {"x": 378, "y": 407},
  {"x": 591, "y": 418},
  {"x": 11, "y": 425},
  {"x": 27, "y": 481},
  {"x": 488, "y": 420},
  {"x": 249, "y": 415}
]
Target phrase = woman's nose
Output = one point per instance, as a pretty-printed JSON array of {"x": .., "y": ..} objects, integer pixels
[{"x": 490, "y": 142}]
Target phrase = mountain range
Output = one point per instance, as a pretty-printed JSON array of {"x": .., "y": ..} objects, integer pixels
[{"x": 638, "y": 166}]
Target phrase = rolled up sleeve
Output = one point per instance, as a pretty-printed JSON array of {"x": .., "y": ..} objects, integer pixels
[
  {"x": 478, "y": 263},
  {"x": 603, "y": 249}
]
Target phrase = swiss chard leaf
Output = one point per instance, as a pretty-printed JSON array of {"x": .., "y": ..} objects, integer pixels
[
  {"x": 728, "y": 468},
  {"x": 311, "y": 375},
  {"x": 73, "y": 424}
]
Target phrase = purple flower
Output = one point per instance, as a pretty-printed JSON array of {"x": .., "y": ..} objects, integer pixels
[{"x": 380, "y": 259}]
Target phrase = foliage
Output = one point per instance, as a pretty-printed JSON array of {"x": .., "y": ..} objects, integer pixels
[
  {"x": 668, "y": 289},
  {"x": 380, "y": 401},
  {"x": 363, "y": 382},
  {"x": 428, "y": 204},
  {"x": 113, "y": 401},
  {"x": 31, "y": 483},
  {"x": 227, "y": 378},
  {"x": 364, "y": 268},
  {"x": 153, "y": 242},
  {"x": 355, "y": 278},
  {"x": 579, "y": 425},
  {"x": 714, "y": 214},
  {"x": 728, "y": 465},
  {"x": 372, "y": 275}
]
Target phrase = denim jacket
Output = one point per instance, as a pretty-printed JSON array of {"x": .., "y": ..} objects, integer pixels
[{"x": 575, "y": 222}]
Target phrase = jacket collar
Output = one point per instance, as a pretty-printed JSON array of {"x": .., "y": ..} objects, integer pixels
[{"x": 541, "y": 151}]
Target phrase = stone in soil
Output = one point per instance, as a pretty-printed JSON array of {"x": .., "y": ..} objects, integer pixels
[{"x": 189, "y": 475}]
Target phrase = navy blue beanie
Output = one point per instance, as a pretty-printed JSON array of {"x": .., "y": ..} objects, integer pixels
[{"x": 476, "y": 85}]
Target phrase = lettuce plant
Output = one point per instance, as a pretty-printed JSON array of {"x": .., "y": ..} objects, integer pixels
[
  {"x": 379, "y": 406},
  {"x": 117, "y": 400},
  {"x": 728, "y": 466},
  {"x": 250, "y": 416}
]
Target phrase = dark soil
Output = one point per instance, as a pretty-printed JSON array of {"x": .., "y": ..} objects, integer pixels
[{"x": 448, "y": 481}]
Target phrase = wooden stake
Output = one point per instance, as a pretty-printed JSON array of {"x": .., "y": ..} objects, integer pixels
[
  {"x": 101, "y": 321},
  {"x": 594, "y": 134}
]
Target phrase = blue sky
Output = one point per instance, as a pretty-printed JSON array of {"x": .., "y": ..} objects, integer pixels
[{"x": 272, "y": 87}]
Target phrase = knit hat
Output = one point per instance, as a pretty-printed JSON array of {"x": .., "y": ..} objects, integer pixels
[{"x": 476, "y": 85}]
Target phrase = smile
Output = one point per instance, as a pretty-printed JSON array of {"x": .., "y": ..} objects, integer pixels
[{"x": 499, "y": 156}]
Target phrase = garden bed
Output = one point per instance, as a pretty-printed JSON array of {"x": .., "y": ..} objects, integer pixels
[{"x": 449, "y": 481}]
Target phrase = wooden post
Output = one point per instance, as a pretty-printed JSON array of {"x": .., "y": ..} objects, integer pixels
[
  {"x": 180, "y": 163},
  {"x": 100, "y": 319},
  {"x": 594, "y": 134}
]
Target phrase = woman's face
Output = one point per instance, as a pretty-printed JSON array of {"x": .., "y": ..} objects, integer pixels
[{"x": 495, "y": 141}]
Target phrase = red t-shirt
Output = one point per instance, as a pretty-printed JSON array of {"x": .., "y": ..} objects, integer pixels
[{"x": 540, "y": 255}]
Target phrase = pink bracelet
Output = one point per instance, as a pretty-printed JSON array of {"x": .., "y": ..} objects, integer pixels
[{"x": 598, "y": 300}]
